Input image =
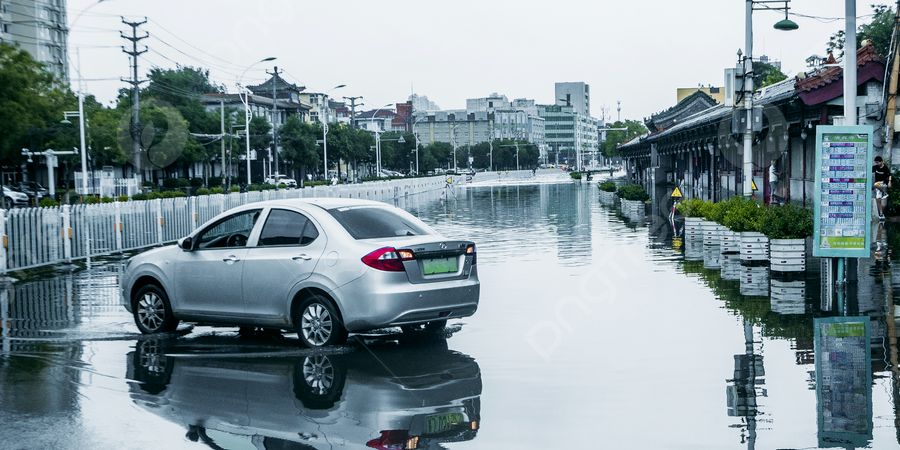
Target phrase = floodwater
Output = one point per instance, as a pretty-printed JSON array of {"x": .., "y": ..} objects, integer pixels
[{"x": 593, "y": 332}]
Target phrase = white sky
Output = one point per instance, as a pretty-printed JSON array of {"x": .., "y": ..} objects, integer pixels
[{"x": 636, "y": 51}]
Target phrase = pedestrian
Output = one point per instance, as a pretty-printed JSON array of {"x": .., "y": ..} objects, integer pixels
[
  {"x": 881, "y": 177},
  {"x": 773, "y": 181}
]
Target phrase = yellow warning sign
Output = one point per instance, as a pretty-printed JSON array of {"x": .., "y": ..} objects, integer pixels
[
  {"x": 753, "y": 185},
  {"x": 676, "y": 193}
]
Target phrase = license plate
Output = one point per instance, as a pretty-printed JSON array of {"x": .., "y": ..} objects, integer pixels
[
  {"x": 439, "y": 423},
  {"x": 440, "y": 265}
]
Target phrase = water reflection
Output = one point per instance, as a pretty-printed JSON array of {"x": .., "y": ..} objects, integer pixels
[{"x": 389, "y": 395}]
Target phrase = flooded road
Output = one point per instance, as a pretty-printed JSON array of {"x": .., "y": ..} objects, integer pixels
[{"x": 593, "y": 331}]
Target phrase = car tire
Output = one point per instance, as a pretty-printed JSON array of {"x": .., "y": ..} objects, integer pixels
[
  {"x": 152, "y": 311},
  {"x": 152, "y": 369},
  {"x": 9, "y": 202},
  {"x": 319, "y": 381},
  {"x": 429, "y": 328},
  {"x": 318, "y": 323}
]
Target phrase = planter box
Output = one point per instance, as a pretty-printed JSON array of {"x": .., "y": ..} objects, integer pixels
[
  {"x": 710, "y": 232},
  {"x": 731, "y": 266},
  {"x": 788, "y": 297},
  {"x": 692, "y": 228},
  {"x": 754, "y": 281},
  {"x": 712, "y": 257},
  {"x": 693, "y": 249},
  {"x": 787, "y": 255},
  {"x": 754, "y": 246},
  {"x": 608, "y": 198},
  {"x": 730, "y": 242},
  {"x": 632, "y": 208}
]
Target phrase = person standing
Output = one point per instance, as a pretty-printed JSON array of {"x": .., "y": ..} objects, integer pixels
[
  {"x": 773, "y": 180},
  {"x": 881, "y": 177}
]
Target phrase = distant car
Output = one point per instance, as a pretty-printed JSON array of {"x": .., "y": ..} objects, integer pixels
[
  {"x": 14, "y": 197},
  {"x": 281, "y": 179},
  {"x": 32, "y": 189},
  {"x": 322, "y": 267}
]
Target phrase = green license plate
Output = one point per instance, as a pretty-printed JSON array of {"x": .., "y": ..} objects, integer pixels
[
  {"x": 439, "y": 423},
  {"x": 440, "y": 265}
]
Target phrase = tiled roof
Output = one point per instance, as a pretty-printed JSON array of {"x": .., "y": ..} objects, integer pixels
[{"x": 828, "y": 75}]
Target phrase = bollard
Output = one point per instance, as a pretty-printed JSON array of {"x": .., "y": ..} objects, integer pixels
[
  {"x": 159, "y": 221},
  {"x": 117, "y": 225},
  {"x": 67, "y": 232}
]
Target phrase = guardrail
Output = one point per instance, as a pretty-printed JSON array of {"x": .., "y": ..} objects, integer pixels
[{"x": 35, "y": 237}]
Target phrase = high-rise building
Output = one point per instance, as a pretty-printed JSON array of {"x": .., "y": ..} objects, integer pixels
[
  {"x": 39, "y": 28},
  {"x": 575, "y": 94},
  {"x": 568, "y": 134}
]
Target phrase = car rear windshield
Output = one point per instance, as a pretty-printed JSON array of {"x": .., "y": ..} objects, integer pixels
[{"x": 368, "y": 222}]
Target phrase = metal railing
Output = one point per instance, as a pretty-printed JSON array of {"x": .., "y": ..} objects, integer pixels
[{"x": 35, "y": 237}]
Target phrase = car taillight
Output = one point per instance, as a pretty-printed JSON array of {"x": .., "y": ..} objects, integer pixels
[
  {"x": 394, "y": 440},
  {"x": 470, "y": 250},
  {"x": 388, "y": 259}
]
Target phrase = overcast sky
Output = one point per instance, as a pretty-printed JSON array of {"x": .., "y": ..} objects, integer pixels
[{"x": 636, "y": 51}]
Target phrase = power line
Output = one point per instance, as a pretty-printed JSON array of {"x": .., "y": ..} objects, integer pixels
[{"x": 136, "y": 91}]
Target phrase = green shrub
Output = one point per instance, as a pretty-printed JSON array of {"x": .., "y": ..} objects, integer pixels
[
  {"x": 172, "y": 194},
  {"x": 316, "y": 183},
  {"x": 107, "y": 200},
  {"x": 282, "y": 186},
  {"x": 786, "y": 222},
  {"x": 140, "y": 196},
  {"x": 153, "y": 195},
  {"x": 693, "y": 207},
  {"x": 91, "y": 200},
  {"x": 254, "y": 187},
  {"x": 195, "y": 182},
  {"x": 122, "y": 198},
  {"x": 202, "y": 191},
  {"x": 215, "y": 181},
  {"x": 170, "y": 183},
  {"x": 608, "y": 186},
  {"x": 47, "y": 202},
  {"x": 632, "y": 192},
  {"x": 217, "y": 190},
  {"x": 231, "y": 189},
  {"x": 575, "y": 175},
  {"x": 742, "y": 214}
]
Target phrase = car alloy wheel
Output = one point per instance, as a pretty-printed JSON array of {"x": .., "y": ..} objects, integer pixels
[
  {"x": 316, "y": 324},
  {"x": 151, "y": 311},
  {"x": 318, "y": 374}
]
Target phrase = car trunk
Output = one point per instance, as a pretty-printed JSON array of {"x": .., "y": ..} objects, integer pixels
[{"x": 434, "y": 259}]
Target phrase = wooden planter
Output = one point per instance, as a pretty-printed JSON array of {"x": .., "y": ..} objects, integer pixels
[
  {"x": 754, "y": 246},
  {"x": 731, "y": 266},
  {"x": 788, "y": 297},
  {"x": 632, "y": 208},
  {"x": 754, "y": 280},
  {"x": 787, "y": 255},
  {"x": 692, "y": 228},
  {"x": 710, "y": 232},
  {"x": 730, "y": 242},
  {"x": 608, "y": 198}
]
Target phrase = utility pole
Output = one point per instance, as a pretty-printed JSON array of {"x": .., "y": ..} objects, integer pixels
[
  {"x": 618, "y": 111},
  {"x": 222, "y": 132},
  {"x": 353, "y": 106},
  {"x": 136, "y": 90},
  {"x": 275, "y": 114}
]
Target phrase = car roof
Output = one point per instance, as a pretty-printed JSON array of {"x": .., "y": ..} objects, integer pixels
[{"x": 322, "y": 202}]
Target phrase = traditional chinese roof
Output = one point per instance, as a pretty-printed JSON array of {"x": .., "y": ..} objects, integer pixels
[
  {"x": 690, "y": 105},
  {"x": 281, "y": 86},
  {"x": 827, "y": 84}
]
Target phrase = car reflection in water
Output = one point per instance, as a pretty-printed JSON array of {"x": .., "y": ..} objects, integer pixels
[{"x": 384, "y": 395}]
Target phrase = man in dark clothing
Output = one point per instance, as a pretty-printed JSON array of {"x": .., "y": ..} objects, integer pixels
[{"x": 881, "y": 183}]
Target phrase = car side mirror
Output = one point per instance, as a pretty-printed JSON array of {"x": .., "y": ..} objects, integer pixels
[{"x": 186, "y": 244}]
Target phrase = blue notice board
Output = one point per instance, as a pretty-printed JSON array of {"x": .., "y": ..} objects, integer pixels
[{"x": 843, "y": 195}]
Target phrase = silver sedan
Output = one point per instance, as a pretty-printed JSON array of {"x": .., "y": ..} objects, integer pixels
[{"x": 322, "y": 267}]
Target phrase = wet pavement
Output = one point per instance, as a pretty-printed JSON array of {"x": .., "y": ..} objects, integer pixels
[{"x": 594, "y": 331}]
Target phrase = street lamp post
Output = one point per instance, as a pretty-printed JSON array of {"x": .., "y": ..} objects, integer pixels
[
  {"x": 80, "y": 114},
  {"x": 377, "y": 132},
  {"x": 416, "y": 135},
  {"x": 325, "y": 131},
  {"x": 246, "y": 101},
  {"x": 784, "y": 25}
]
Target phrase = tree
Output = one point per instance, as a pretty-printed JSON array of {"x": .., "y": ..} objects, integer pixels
[
  {"x": 633, "y": 128},
  {"x": 30, "y": 101},
  {"x": 298, "y": 141},
  {"x": 765, "y": 74},
  {"x": 436, "y": 154},
  {"x": 878, "y": 31}
]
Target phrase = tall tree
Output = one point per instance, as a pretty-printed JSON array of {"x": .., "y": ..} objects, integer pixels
[
  {"x": 298, "y": 141},
  {"x": 633, "y": 128},
  {"x": 878, "y": 31}
]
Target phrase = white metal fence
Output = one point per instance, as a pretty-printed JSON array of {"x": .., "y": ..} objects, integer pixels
[{"x": 34, "y": 237}]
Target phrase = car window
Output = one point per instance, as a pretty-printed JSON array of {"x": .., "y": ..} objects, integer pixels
[
  {"x": 285, "y": 227},
  {"x": 369, "y": 222},
  {"x": 232, "y": 231}
]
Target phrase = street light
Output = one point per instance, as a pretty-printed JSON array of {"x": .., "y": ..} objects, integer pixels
[
  {"x": 66, "y": 121},
  {"x": 325, "y": 131},
  {"x": 246, "y": 101},
  {"x": 416, "y": 135},
  {"x": 784, "y": 25},
  {"x": 377, "y": 132}
]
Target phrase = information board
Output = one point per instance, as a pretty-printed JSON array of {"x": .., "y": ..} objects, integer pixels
[{"x": 843, "y": 194}]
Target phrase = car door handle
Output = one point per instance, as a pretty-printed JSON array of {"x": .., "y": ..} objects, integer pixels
[
  {"x": 231, "y": 259},
  {"x": 303, "y": 257}
]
